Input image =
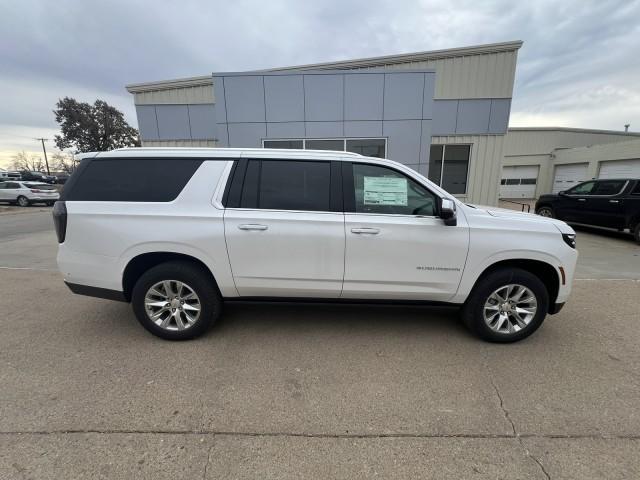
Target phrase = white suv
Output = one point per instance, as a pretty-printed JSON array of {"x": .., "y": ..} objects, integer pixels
[{"x": 178, "y": 232}]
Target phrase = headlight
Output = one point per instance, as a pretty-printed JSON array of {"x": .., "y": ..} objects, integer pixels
[{"x": 569, "y": 239}]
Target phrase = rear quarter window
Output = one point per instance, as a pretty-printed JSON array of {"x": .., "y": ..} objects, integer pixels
[{"x": 131, "y": 179}]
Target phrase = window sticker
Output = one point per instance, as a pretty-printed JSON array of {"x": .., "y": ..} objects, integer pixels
[{"x": 385, "y": 191}]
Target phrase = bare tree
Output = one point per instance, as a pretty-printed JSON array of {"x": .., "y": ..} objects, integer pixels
[
  {"x": 63, "y": 162},
  {"x": 25, "y": 161}
]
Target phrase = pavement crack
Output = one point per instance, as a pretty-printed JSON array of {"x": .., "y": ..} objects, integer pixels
[
  {"x": 517, "y": 435},
  {"x": 206, "y": 466}
]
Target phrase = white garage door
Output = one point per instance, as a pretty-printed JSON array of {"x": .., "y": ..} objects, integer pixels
[
  {"x": 519, "y": 181},
  {"x": 620, "y": 169},
  {"x": 567, "y": 176}
]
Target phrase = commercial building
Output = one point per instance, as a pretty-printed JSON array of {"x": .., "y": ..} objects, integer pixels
[
  {"x": 445, "y": 113},
  {"x": 543, "y": 160}
]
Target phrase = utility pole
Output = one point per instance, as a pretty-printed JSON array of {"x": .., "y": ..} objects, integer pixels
[{"x": 46, "y": 161}]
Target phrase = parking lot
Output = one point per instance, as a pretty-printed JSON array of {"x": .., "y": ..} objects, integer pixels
[{"x": 295, "y": 391}]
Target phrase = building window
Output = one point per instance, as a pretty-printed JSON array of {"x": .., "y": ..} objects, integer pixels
[
  {"x": 369, "y": 147},
  {"x": 449, "y": 167},
  {"x": 324, "y": 145},
  {"x": 282, "y": 144}
]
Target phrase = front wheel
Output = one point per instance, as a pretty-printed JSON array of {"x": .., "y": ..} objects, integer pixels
[
  {"x": 176, "y": 300},
  {"x": 506, "y": 305},
  {"x": 23, "y": 201},
  {"x": 546, "y": 212}
]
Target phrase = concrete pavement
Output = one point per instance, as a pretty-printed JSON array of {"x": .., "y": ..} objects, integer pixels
[{"x": 291, "y": 391}]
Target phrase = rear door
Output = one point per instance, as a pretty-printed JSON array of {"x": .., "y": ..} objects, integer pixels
[
  {"x": 284, "y": 228},
  {"x": 396, "y": 245}
]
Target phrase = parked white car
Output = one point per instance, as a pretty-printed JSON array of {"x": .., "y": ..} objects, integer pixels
[
  {"x": 178, "y": 232},
  {"x": 26, "y": 193}
]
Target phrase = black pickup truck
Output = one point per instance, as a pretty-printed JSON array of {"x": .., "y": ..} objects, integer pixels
[{"x": 611, "y": 203}]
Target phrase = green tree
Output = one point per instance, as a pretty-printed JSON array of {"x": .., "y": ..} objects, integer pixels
[{"x": 92, "y": 128}]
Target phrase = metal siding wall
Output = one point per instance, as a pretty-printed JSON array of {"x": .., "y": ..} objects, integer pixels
[
  {"x": 284, "y": 98},
  {"x": 244, "y": 96},
  {"x": 364, "y": 95},
  {"x": 324, "y": 97},
  {"x": 147, "y": 121},
  {"x": 488, "y": 75},
  {"x": 484, "y": 170},
  {"x": 202, "y": 120},
  {"x": 193, "y": 95},
  {"x": 173, "y": 122},
  {"x": 400, "y": 93}
]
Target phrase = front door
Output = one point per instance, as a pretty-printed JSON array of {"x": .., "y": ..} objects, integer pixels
[
  {"x": 573, "y": 205},
  {"x": 396, "y": 245},
  {"x": 285, "y": 229},
  {"x": 605, "y": 206}
]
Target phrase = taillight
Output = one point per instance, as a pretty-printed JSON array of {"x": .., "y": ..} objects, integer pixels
[
  {"x": 60, "y": 220},
  {"x": 34, "y": 190}
]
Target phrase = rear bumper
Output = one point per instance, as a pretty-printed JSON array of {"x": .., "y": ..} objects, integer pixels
[{"x": 96, "y": 292}]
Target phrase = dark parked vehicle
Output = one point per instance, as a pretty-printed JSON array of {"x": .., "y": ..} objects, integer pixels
[
  {"x": 28, "y": 176},
  {"x": 612, "y": 203}
]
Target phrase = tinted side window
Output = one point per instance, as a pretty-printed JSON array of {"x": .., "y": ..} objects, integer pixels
[
  {"x": 636, "y": 189},
  {"x": 608, "y": 187},
  {"x": 294, "y": 185},
  {"x": 582, "y": 189},
  {"x": 132, "y": 179},
  {"x": 385, "y": 191}
]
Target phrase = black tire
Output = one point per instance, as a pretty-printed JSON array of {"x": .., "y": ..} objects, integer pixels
[
  {"x": 546, "y": 211},
  {"x": 23, "y": 201},
  {"x": 197, "y": 280},
  {"x": 50, "y": 204},
  {"x": 473, "y": 309},
  {"x": 636, "y": 233}
]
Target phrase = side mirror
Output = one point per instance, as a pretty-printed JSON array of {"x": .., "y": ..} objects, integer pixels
[
  {"x": 562, "y": 193},
  {"x": 448, "y": 212}
]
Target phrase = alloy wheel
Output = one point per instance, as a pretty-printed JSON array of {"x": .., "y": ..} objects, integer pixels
[
  {"x": 172, "y": 305},
  {"x": 510, "y": 308},
  {"x": 545, "y": 212}
]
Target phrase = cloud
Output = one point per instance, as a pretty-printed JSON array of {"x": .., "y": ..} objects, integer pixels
[{"x": 578, "y": 65}]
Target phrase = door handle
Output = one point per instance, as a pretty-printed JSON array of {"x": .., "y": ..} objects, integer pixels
[
  {"x": 252, "y": 226},
  {"x": 582, "y": 199},
  {"x": 614, "y": 201},
  {"x": 368, "y": 231}
]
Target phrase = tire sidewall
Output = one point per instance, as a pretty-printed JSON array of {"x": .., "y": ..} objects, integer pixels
[
  {"x": 473, "y": 310},
  {"x": 553, "y": 215},
  {"x": 197, "y": 279},
  {"x": 636, "y": 233}
]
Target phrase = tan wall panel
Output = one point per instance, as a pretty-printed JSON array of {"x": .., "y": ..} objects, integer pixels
[
  {"x": 183, "y": 95},
  {"x": 484, "y": 166}
]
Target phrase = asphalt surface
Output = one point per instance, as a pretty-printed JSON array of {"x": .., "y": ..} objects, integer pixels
[{"x": 291, "y": 391}]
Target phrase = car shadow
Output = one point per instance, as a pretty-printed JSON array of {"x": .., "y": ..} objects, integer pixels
[{"x": 322, "y": 320}]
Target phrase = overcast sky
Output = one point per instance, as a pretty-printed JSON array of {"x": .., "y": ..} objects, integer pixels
[{"x": 579, "y": 65}]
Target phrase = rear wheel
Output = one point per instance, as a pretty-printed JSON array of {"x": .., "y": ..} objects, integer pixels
[
  {"x": 176, "y": 300},
  {"x": 506, "y": 305},
  {"x": 636, "y": 233},
  {"x": 546, "y": 212},
  {"x": 23, "y": 201}
]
